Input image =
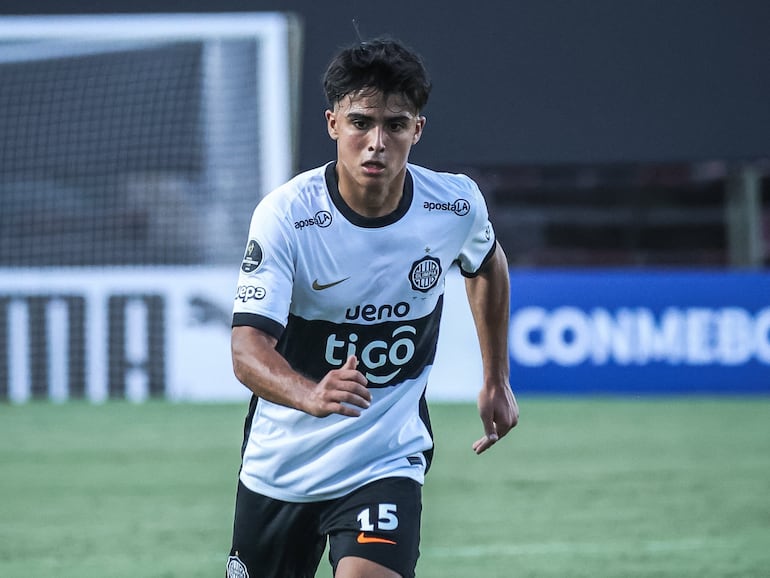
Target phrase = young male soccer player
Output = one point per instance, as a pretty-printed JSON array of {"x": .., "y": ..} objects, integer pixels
[{"x": 335, "y": 327}]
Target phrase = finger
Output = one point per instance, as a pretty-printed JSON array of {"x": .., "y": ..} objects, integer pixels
[
  {"x": 502, "y": 428},
  {"x": 350, "y": 364},
  {"x": 347, "y": 410},
  {"x": 360, "y": 399},
  {"x": 483, "y": 444},
  {"x": 343, "y": 403},
  {"x": 490, "y": 433},
  {"x": 488, "y": 422},
  {"x": 353, "y": 384},
  {"x": 350, "y": 405},
  {"x": 350, "y": 391}
]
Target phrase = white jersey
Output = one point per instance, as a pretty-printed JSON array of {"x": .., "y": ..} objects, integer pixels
[{"x": 329, "y": 283}]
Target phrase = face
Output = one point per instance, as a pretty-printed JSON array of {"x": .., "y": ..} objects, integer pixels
[{"x": 374, "y": 135}]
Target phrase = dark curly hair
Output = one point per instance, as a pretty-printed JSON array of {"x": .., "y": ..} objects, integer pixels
[{"x": 381, "y": 65}]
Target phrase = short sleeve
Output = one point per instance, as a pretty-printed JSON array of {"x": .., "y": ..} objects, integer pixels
[
  {"x": 266, "y": 276},
  {"x": 480, "y": 243}
]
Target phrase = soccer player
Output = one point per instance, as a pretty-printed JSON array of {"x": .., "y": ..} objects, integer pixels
[{"x": 335, "y": 327}]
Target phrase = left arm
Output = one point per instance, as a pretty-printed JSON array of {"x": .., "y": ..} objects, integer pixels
[{"x": 489, "y": 299}]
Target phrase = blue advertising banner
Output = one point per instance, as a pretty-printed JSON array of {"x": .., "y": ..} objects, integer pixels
[{"x": 633, "y": 332}]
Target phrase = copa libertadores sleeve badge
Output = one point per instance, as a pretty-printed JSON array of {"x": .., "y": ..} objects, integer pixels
[{"x": 252, "y": 258}]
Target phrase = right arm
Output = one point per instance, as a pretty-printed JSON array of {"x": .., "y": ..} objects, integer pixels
[{"x": 268, "y": 375}]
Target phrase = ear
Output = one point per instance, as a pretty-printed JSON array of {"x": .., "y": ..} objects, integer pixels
[
  {"x": 418, "y": 128},
  {"x": 331, "y": 124}
]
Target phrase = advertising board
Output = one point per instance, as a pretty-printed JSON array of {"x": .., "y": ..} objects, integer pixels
[{"x": 140, "y": 333}]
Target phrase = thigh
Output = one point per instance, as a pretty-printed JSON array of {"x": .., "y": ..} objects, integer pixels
[
  {"x": 274, "y": 539},
  {"x": 379, "y": 522}
]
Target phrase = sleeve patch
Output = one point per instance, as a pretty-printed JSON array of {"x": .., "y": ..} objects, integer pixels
[{"x": 252, "y": 258}]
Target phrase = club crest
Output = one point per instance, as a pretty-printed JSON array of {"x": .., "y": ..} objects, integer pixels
[
  {"x": 236, "y": 568},
  {"x": 425, "y": 273}
]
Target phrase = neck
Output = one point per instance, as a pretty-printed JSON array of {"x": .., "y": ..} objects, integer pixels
[{"x": 372, "y": 201}]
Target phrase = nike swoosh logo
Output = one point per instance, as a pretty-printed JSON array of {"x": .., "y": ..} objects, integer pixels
[
  {"x": 364, "y": 539},
  {"x": 320, "y": 287}
]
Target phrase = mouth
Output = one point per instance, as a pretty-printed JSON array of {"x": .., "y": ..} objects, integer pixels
[{"x": 373, "y": 167}]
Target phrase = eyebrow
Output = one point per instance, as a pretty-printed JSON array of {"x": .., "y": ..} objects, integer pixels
[{"x": 362, "y": 116}]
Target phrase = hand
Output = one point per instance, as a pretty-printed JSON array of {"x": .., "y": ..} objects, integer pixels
[
  {"x": 341, "y": 391},
  {"x": 499, "y": 414}
]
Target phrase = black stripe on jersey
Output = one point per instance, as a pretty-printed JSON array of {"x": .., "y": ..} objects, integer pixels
[
  {"x": 260, "y": 322},
  {"x": 388, "y": 352},
  {"x": 425, "y": 417},
  {"x": 247, "y": 423},
  {"x": 488, "y": 256},
  {"x": 332, "y": 184}
]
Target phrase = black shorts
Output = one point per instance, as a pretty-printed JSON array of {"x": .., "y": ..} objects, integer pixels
[{"x": 274, "y": 539}]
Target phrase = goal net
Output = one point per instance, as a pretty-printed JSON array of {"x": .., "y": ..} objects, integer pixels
[
  {"x": 128, "y": 141},
  {"x": 138, "y": 139}
]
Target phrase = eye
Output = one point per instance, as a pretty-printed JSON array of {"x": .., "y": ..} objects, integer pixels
[
  {"x": 397, "y": 126},
  {"x": 360, "y": 124}
]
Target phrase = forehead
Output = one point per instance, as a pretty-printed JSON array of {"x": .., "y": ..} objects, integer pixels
[{"x": 375, "y": 102}]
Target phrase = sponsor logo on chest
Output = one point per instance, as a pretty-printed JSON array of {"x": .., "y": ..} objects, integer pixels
[
  {"x": 321, "y": 219},
  {"x": 460, "y": 207}
]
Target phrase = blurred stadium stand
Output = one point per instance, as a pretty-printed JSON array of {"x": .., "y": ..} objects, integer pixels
[{"x": 631, "y": 214}]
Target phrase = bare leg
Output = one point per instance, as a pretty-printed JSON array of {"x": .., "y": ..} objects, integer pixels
[{"x": 353, "y": 567}]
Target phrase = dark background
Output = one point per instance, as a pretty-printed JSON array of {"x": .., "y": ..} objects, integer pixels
[{"x": 542, "y": 81}]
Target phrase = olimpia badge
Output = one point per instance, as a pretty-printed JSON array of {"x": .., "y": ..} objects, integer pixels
[
  {"x": 425, "y": 273},
  {"x": 236, "y": 568}
]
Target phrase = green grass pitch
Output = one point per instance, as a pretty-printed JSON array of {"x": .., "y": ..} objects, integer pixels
[{"x": 584, "y": 487}]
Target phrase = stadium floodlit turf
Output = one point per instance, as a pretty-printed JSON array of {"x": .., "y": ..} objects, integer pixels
[{"x": 584, "y": 487}]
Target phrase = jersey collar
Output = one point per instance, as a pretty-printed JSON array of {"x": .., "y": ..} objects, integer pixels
[{"x": 369, "y": 222}]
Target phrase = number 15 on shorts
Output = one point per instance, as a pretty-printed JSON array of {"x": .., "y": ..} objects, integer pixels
[{"x": 384, "y": 519}]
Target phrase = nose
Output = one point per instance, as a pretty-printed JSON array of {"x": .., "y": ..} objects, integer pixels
[{"x": 377, "y": 142}]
